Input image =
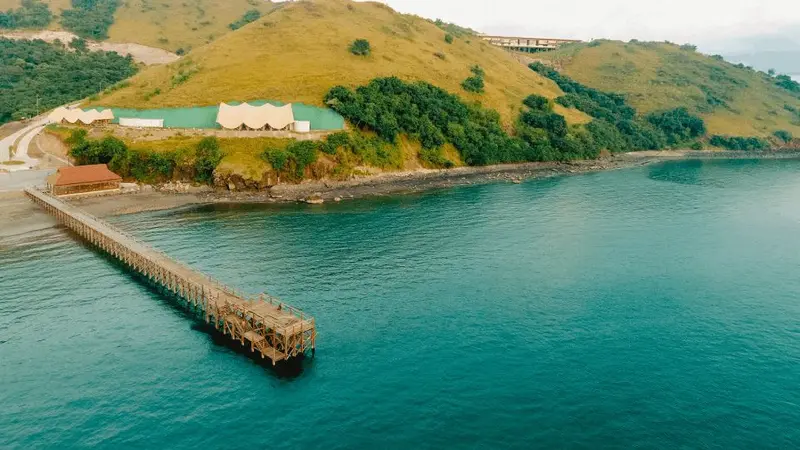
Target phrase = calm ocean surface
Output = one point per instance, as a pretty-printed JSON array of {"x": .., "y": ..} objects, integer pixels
[{"x": 656, "y": 307}]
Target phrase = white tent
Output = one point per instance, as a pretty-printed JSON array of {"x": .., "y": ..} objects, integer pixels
[
  {"x": 234, "y": 117},
  {"x": 62, "y": 114}
]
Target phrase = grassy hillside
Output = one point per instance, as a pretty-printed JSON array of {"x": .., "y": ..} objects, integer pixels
[
  {"x": 299, "y": 51},
  {"x": 655, "y": 76},
  {"x": 167, "y": 24}
]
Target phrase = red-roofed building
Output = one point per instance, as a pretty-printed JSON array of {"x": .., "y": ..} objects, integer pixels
[{"x": 80, "y": 179}]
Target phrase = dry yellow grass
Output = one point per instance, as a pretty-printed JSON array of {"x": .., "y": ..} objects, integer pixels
[
  {"x": 174, "y": 24},
  {"x": 663, "y": 76},
  {"x": 298, "y": 52},
  {"x": 167, "y": 24}
]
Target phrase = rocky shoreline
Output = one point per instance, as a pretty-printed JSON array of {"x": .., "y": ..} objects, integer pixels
[{"x": 177, "y": 195}]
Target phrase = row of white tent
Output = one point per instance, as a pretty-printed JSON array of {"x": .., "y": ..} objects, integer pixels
[
  {"x": 76, "y": 115},
  {"x": 235, "y": 117}
]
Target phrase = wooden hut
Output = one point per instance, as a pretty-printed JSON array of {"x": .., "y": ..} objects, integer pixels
[{"x": 82, "y": 179}]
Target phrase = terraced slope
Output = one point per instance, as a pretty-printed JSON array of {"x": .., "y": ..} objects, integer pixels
[{"x": 733, "y": 100}]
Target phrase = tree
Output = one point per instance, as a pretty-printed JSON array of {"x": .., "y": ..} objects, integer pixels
[
  {"x": 473, "y": 84},
  {"x": 360, "y": 47},
  {"x": 537, "y": 102}
]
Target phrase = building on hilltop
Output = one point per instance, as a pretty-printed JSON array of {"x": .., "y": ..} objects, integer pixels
[
  {"x": 83, "y": 179},
  {"x": 527, "y": 44}
]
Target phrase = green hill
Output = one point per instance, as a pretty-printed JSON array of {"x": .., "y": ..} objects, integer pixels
[
  {"x": 300, "y": 51},
  {"x": 732, "y": 99}
]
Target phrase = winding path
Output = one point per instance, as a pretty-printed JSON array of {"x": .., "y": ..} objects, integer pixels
[{"x": 24, "y": 136}]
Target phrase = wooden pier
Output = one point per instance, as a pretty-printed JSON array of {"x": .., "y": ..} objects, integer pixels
[{"x": 266, "y": 326}]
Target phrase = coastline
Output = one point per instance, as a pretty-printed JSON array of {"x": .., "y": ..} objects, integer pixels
[
  {"x": 327, "y": 191},
  {"x": 22, "y": 216}
]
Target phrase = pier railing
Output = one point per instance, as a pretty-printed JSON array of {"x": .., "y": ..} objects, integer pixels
[{"x": 272, "y": 328}]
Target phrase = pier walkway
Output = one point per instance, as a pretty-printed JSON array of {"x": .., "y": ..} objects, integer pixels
[{"x": 267, "y": 326}]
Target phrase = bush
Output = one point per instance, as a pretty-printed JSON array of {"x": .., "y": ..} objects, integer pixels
[
  {"x": 248, "y": 17},
  {"x": 334, "y": 142},
  {"x": 553, "y": 123},
  {"x": 786, "y": 82},
  {"x": 448, "y": 38},
  {"x": 784, "y": 136},
  {"x": 739, "y": 143},
  {"x": 477, "y": 71},
  {"x": 697, "y": 145},
  {"x": 598, "y": 104},
  {"x": 607, "y": 136},
  {"x": 473, "y": 84},
  {"x": 537, "y": 103},
  {"x": 678, "y": 125},
  {"x": 360, "y": 47},
  {"x": 293, "y": 159},
  {"x": 207, "y": 157},
  {"x": 689, "y": 47}
]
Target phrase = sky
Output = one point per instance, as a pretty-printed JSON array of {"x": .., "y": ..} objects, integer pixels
[{"x": 714, "y": 25}]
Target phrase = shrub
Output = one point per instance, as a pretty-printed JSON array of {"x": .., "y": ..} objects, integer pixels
[
  {"x": 786, "y": 82},
  {"x": 477, "y": 71},
  {"x": 248, "y": 17},
  {"x": 697, "y": 145},
  {"x": 440, "y": 55},
  {"x": 678, "y": 125},
  {"x": 334, "y": 142},
  {"x": 207, "y": 156},
  {"x": 473, "y": 84},
  {"x": 783, "y": 135},
  {"x": 538, "y": 103},
  {"x": 360, "y": 47},
  {"x": 607, "y": 136},
  {"x": 293, "y": 159},
  {"x": 553, "y": 123},
  {"x": 689, "y": 47},
  {"x": 448, "y": 38},
  {"x": 739, "y": 143}
]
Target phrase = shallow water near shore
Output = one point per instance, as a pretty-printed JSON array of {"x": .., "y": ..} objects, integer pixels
[{"x": 653, "y": 307}]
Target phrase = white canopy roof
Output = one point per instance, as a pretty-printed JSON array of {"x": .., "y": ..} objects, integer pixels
[
  {"x": 255, "y": 117},
  {"x": 62, "y": 114}
]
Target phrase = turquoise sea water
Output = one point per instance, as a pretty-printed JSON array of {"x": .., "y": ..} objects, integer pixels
[{"x": 656, "y": 307}]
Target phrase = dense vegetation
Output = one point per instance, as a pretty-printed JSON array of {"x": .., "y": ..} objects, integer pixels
[
  {"x": 732, "y": 99},
  {"x": 248, "y": 17},
  {"x": 196, "y": 163},
  {"x": 90, "y": 19},
  {"x": 739, "y": 143},
  {"x": 617, "y": 126},
  {"x": 36, "y": 76},
  {"x": 32, "y": 14}
]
